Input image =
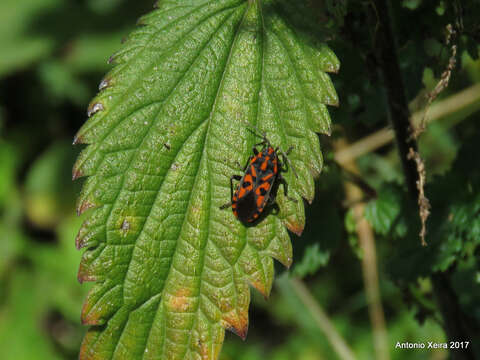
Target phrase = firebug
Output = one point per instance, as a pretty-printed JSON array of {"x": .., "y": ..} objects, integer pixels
[{"x": 258, "y": 185}]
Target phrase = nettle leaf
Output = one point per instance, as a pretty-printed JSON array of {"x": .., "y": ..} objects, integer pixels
[{"x": 166, "y": 131}]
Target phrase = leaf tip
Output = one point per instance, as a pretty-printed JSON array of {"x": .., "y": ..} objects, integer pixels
[
  {"x": 84, "y": 206},
  {"x": 237, "y": 323},
  {"x": 296, "y": 228},
  {"x": 333, "y": 100},
  {"x": 106, "y": 82},
  {"x": 261, "y": 288},
  {"x": 78, "y": 139},
  {"x": 76, "y": 173},
  {"x": 94, "y": 107},
  {"x": 111, "y": 60},
  {"x": 333, "y": 67},
  {"x": 89, "y": 317},
  {"x": 241, "y": 332},
  {"x": 328, "y": 132},
  {"x": 83, "y": 239},
  {"x": 289, "y": 262},
  {"x": 79, "y": 240},
  {"x": 83, "y": 276}
]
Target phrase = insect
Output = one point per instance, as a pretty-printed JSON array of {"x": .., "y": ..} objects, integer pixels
[{"x": 258, "y": 185}]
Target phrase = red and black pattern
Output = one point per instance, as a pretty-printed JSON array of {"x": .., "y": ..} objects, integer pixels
[{"x": 257, "y": 186}]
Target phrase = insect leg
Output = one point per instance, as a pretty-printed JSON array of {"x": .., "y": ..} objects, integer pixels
[
  {"x": 260, "y": 134},
  {"x": 281, "y": 180},
  {"x": 227, "y": 205},
  {"x": 233, "y": 177},
  {"x": 289, "y": 150},
  {"x": 286, "y": 160},
  {"x": 248, "y": 162}
]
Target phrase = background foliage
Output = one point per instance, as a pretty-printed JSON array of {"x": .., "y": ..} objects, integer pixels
[{"x": 54, "y": 54}]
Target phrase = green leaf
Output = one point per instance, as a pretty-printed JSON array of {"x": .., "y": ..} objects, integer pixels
[
  {"x": 383, "y": 212},
  {"x": 313, "y": 259},
  {"x": 166, "y": 132}
]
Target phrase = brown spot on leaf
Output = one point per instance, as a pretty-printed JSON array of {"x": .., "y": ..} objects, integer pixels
[
  {"x": 180, "y": 301},
  {"x": 204, "y": 350},
  {"x": 125, "y": 226}
]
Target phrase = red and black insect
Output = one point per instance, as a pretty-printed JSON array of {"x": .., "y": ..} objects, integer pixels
[{"x": 258, "y": 185}]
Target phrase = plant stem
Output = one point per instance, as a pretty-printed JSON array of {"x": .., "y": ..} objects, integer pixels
[
  {"x": 447, "y": 300},
  {"x": 397, "y": 101},
  {"x": 366, "y": 239},
  {"x": 456, "y": 324},
  {"x": 466, "y": 101},
  {"x": 322, "y": 320}
]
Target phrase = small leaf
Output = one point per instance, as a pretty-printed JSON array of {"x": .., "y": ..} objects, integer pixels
[
  {"x": 382, "y": 213},
  {"x": 313, "y": 259},
  {"x": 165, "y": 134}
]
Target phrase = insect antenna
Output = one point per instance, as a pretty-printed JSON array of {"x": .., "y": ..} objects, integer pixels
[{"x": 256, "y": 131}]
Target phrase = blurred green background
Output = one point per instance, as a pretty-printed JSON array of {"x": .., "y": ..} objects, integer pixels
[{"x": 53, "y": 55}]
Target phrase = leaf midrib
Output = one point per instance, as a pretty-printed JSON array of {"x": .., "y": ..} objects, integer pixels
[{"x": 205, "y": 156}]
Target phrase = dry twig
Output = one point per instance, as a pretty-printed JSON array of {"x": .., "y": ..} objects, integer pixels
[
  {"x": 442, "y": 83},
  {"x": 423, "y": 202}
]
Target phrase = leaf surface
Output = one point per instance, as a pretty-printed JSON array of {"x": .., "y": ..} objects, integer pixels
[{"x": 165, "y": 134}]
